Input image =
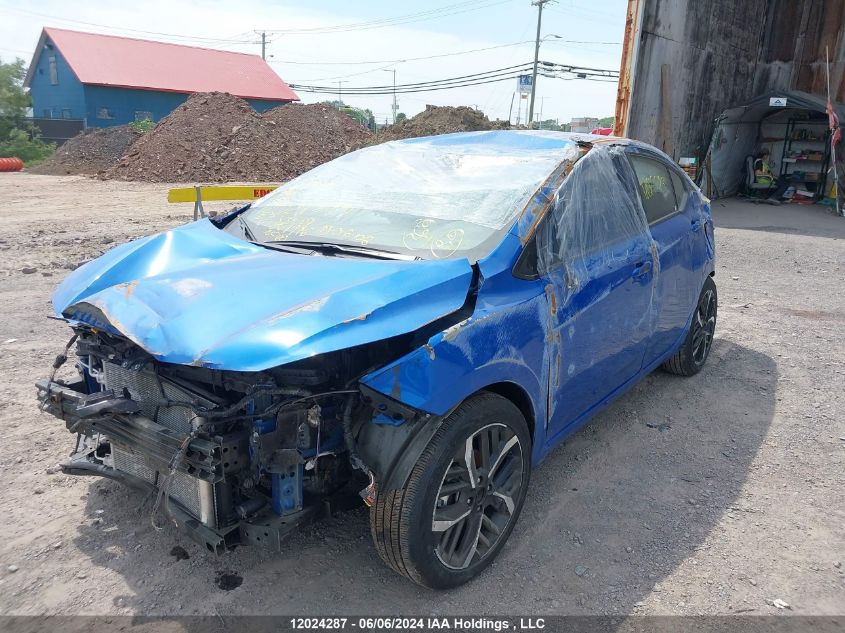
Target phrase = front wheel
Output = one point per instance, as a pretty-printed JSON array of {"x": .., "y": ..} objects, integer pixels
[
  {"x": 462, "y": 498},
  {"x": 690, "y": 358}
]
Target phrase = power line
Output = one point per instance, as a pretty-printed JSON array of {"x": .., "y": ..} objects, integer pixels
[
  {"x": 494, "y": 71},
  {"x": 363, "y": 72},
  {"x": 491, "y": 76},
  {"x": 584, "y": 12},
  {"x": 444, "y": 11},
  {"x": 15, "y": 50},
  {"x": 469, "y": 76},
  {"x": 426, "y": 57},
  {"x": 401, "y": 60},
  {"x": 447, "y": 10},
  {"x": 569, "y": 68},
  {"x": 127, "y": 29},
  {"x": 426, "y": 89}
]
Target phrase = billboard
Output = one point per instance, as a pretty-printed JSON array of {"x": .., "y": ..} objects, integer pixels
[{"x": 523, "y": 84}]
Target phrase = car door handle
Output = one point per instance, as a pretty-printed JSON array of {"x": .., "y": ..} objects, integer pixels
[
  {"x": 695, "y": 225},
  {"x": 641, "y": 269}
]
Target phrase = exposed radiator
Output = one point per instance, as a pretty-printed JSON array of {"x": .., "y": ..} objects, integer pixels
[
  {"x": 144, "y": 386},
  {"x": 198, "y": 497},
  {"x": 187, "y": 490}
]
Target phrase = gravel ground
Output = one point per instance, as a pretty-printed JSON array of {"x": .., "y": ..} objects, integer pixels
[{"x": 717, "y": 494}]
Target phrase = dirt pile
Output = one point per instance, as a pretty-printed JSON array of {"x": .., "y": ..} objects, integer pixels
[
  {"x": 216, "y": 137},
  {"x": 441, "y": 120},
  {"x": 90, "y": 152}
]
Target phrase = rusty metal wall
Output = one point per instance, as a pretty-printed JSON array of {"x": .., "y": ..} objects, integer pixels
[
  {"x": 692, "y": 60},
  {"x": 793, "y": 50}
]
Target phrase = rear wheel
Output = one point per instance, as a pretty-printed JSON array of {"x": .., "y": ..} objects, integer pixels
[
  {"x": 690, "y": 358},
  {"x": 461, "y": 500}
]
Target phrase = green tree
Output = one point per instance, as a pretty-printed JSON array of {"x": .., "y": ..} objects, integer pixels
[
  {"x": 548, "y": 124},
  {"x": 13, "y": 100},
  {"x": 18, "y": 137},
  {"x": 364, "y": 116},
  {"x": 401, "y": 116},
  {"x": 606, "y": 121},
  {"x": 143, "y": 126}
]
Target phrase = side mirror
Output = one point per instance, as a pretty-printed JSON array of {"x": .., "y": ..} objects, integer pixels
[{"x": 527, "y": 266}]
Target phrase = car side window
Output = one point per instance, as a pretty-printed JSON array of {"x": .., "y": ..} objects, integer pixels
[
  {"x": 596, "y": 207},
  {"x": 681, "y": 190},
  {"x": 655, "y": 186}
]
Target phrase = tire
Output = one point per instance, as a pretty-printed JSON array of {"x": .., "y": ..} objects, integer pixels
[
  {"x": 412, "y": 528},
  {"x": 692, "y": 355}
]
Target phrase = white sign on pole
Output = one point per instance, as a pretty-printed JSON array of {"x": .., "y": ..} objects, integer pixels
[{"x": 777, "y": 102}]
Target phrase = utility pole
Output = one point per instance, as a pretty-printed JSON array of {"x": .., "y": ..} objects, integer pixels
[
  {"x": 539, "y": 4},
  {"x": 339, "y": 92},
  {"x": 263, "y": 35},
  {"x": 510, "y": 111},
  {"x": 395, "y": 107}
]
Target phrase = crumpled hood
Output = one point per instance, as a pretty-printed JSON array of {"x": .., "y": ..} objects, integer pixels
[{"x": 198, "y": 295}]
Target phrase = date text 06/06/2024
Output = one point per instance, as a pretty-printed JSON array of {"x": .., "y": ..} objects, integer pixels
[{"x": 420, "y": 624}]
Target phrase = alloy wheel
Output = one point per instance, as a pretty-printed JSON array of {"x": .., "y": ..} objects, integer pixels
[
  {"x": 477, "y": 496},
  {"x": 704, "y": 326}
]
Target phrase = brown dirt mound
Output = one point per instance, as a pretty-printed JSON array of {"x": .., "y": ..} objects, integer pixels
[
  {"x": 89, "y": 152},
  {"x": 441, "y": 120},
  {"x": 216, "y": 137}
]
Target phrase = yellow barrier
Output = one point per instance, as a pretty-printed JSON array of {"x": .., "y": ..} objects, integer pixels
[{"x": 198, "y": 195}]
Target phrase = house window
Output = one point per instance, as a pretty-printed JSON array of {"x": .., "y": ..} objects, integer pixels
[
  {"x": 105, "y": 113},
  {"x": 54, "y": 73},
  {"x": 143, "y": 115},
  {"x": 66, "y": 113}
]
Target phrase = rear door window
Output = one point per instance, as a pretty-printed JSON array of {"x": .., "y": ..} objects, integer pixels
[
  {"x": 596, "y": 208},
  {"x": 655, "y": 187},
  {"x": 681, "y": 190}
]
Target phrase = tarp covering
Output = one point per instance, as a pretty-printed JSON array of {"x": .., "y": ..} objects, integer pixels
[
  {"x": 462, "y": 187},
  {"x": 585, "y": 229},
  {"x": 738, "y": 130}
]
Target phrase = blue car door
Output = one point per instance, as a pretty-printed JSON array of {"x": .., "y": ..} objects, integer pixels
[
  {"x": 675, "y": 231},
  {"x": 600, "y": 286}
]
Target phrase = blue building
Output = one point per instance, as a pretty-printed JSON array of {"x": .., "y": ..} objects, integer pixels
[{"x": 107, "y": 80}]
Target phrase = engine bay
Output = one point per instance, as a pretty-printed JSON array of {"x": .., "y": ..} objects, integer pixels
[{"x": 230, "y": 456}]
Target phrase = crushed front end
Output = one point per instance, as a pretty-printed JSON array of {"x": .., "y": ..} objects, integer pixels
[{"x": 231, "y": 457}]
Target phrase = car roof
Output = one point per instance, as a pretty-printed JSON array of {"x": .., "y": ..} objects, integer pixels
[
  {"x": 518, "y": 141},
  {"x": 498, "y": 140}
]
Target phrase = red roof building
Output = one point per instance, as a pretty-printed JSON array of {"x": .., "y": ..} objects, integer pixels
[{"x": 110, "y": 80}]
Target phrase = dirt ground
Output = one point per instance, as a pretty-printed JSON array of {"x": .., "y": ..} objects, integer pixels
[{"x": 712, "y": 495}]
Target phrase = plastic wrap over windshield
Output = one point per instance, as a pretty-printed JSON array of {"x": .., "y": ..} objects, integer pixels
[
  {"x": 596, "y": 220},
  {"x": 437, "y": 197}
]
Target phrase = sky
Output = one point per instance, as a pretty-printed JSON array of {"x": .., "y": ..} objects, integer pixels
[{"x": 376, "y": 37}]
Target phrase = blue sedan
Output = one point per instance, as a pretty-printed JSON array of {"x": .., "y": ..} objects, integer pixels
[{"x": 421, "y": 321}]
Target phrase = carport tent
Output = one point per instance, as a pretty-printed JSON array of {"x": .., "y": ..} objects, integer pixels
[{"x": 737, "y": 135}]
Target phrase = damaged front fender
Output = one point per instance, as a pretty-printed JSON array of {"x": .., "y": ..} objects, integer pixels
[{"x": 502, "y": 343}]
